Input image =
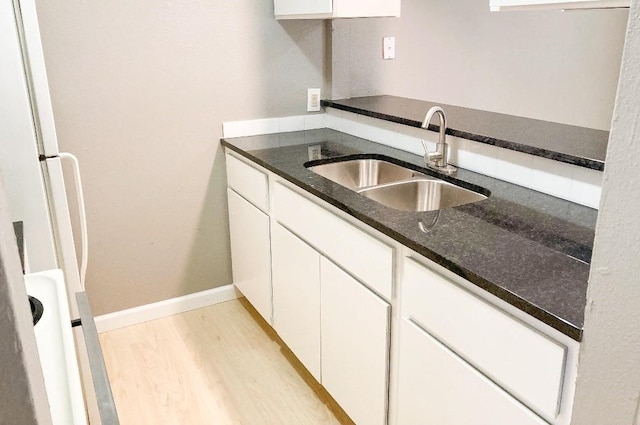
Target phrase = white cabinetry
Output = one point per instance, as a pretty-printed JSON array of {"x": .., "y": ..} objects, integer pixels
[
  {"x": 328, "y": 9},
  {"x": 496, "y": 5},
  {"x": 362, "y": 255},
  {"x": 249, "y": 234},
  {"x": 249, "y": 230},
  {"x": 296, "y": 297},
  {"x": 322, "y": 312},
  {"x": 437, "y": 387},
  {"x": 503, "y": 368},
  {"x": 355, "y": 345},
  {"x": 461, "y": 356},
  {"x": 248, "y": 181},
  {"x": 523, "y": 361}
]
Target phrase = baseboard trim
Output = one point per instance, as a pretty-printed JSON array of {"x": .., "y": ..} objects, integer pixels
[{"x": 145, "y": 313}]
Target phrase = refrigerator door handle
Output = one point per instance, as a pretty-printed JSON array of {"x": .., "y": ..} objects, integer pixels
[{"x": 83, "y": 215}]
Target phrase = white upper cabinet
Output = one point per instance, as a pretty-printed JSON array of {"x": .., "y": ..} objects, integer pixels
[
  {"x": 497, "y": 5},
  {"x": 329, "y": 9}
]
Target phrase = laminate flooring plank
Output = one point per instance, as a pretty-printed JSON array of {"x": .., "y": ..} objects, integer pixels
[{"x": 219, "y": 365}]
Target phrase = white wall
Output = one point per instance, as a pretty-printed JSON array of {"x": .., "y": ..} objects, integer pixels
[
  {"x": 140, "y": 90},
  {"x": 551, "y": 65},
  {"x": 608, "y": 387}
]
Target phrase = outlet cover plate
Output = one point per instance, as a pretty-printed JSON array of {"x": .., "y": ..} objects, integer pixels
[
  {"x": 313, "y": 100},
  {"x": 389, "y": 48}
]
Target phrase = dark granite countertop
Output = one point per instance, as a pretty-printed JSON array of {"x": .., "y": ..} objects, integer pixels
[
  {"x": 529, "y": 249},
  {"x": 580, "y": 146}
]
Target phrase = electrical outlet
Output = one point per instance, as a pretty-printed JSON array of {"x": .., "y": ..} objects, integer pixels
[
  {"x": 313, "y": 100},
  {"x": 315, "y": 152}
]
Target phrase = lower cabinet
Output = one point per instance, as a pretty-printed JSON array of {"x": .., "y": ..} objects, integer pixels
[
  {"x": 250, "y": 252},
  {"x": 336, "y": 327},
  {"x": 355, "y": 345},
  {"x": 326, "y": 285},
  {"x": 437, "y": 387},
  {"x": 525, "y": 363},
  {"x": 296, "y": 297}
]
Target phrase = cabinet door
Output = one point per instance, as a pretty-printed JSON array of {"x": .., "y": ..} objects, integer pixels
[
  {"x": 296, "y": 296},
  {"x": 250, "y": 253},
  {"x": 355, "y": 345},
  {"x": 302, "y": 7},
  {"x": 437, "y": 387}
]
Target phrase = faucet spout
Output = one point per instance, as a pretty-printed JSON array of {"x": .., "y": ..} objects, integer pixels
[
  {"x": 443, "y": 121},
  {"x": 438, "y": 159}
]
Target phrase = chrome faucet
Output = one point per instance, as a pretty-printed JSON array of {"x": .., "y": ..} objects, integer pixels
[{"x": 438, "y": 159}]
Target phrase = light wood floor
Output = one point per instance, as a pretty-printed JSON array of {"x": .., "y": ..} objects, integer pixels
[{"x": 217, "y": 365}]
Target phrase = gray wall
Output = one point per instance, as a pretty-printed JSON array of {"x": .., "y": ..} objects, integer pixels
[
  {"x": 140, "y": 90},
  {"x": 23, "y": 399},
  {"x": 550, "y": 65},
  {"x": 608, "y": 389}
]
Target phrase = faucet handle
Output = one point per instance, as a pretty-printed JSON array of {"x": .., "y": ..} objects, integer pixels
[
  {"x": 430, "y": 156},
  {"x": 436, "y": 159}
]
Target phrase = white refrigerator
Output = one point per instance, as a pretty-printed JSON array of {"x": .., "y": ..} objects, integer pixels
[
  {"x": 29, "y": 156},
  {"x": 31, "y": 167}
]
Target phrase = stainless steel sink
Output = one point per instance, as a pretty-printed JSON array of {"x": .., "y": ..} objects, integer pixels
[
  {"x": 396, "y": 186},
  {"x": 360, "y": 173},
  {"x": 421, "y": 195}
]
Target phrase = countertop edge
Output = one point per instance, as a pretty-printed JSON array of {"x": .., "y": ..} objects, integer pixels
[{"x": 516, "y": 301}]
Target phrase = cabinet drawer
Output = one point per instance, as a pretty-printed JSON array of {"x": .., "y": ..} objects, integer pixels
[
  {"x": 365, "y": 257},
  {"x": 436, "y": 387},
  {"x": 247, "y": 181},
  {"x": 526, "y": 363}
]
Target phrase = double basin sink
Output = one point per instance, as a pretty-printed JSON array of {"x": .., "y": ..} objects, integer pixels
[{"x": 395, "y": 186}]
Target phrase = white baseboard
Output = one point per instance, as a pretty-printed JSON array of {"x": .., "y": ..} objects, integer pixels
[{"x": 145, "y": 313}]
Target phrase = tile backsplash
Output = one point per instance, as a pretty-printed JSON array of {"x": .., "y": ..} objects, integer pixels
[
  {"x": 273, "y": 125},
  {"x": 577, "y": 184},
  {"x": 573, "y": 183}
]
